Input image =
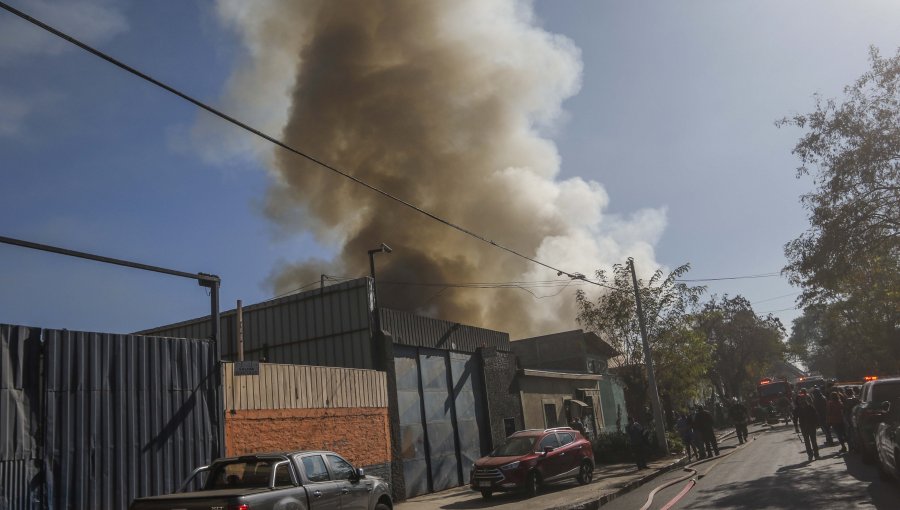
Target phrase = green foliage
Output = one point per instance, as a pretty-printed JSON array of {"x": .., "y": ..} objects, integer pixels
[
  {"x": 681, "y": 356},
  {"x": 611, "y": 448},
  {"x": 848, "y": 262},
  {"x": 744, "y": 344}
]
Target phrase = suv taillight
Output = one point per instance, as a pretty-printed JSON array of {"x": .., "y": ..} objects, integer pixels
[{"x": 239, "y": 507}]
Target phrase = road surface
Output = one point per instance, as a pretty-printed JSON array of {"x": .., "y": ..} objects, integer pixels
[{"x": 772, "y": 472}]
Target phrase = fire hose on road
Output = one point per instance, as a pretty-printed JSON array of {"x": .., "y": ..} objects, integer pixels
[{"x": 691, "y": 477}]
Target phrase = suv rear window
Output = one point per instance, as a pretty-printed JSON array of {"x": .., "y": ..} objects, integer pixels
[
  {"x": 885, "y": 391},
  {"x": 550, "y": 440},
  {"x": 565, "y": 438}
]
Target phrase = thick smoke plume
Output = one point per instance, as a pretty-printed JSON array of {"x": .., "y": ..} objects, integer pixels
[{"x": 447, "y": 105}]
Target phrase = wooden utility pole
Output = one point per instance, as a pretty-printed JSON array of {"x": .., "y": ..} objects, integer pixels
[{"x": 659, "y": 424}]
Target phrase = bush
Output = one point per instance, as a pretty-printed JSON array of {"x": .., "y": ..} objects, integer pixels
[
  {"x": 611, "y": 448},
  {"x": 614, "y": 447}
]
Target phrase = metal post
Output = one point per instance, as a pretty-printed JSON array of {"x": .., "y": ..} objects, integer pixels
[
  {"x": 240, "y": 330},
  {"x": 659, "y": 425}
]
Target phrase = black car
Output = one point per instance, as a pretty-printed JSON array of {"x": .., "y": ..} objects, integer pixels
[
  {"x": 870, "y": 412},
  {"x": 887, "y": 441}
]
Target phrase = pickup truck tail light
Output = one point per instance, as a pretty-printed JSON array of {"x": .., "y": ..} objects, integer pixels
[{"x": 239, "y": 507}]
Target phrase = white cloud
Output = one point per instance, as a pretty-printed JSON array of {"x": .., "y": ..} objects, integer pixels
[{"x": 93, "y": 21}]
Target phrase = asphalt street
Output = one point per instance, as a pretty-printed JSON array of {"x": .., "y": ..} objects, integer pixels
[{"x": 771, "y": 472}]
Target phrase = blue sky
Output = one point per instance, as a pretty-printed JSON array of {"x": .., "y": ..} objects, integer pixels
[{"x": 676, "y": 111}]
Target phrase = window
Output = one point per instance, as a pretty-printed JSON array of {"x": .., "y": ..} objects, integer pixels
[
  {"x": 314, "y": 465},
  {"x": 241, "y": 474},
  {"x": 341, "y": 468},
  {"x": 509, "y": 426},
  {"x": 550, "y": 441},
  {"x": 550, "y": 419},
  {"x": 566, "y": 438},
  {"x": 886, "y": 391},
  {"x": 283, "y": 475}
]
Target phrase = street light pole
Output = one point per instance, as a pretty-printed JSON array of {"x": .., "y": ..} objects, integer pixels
[{"x": 659, "y": 425}]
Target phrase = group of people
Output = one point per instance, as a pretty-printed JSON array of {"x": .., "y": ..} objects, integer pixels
[
  {"x": 832, "y": 414},
  {"x": 697, "y": 433}
]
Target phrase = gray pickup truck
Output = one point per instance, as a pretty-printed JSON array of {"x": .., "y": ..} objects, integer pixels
[{"x": 307, "y": 480}]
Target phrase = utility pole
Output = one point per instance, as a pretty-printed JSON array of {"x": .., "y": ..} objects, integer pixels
[{"x": 660, "y": 426}]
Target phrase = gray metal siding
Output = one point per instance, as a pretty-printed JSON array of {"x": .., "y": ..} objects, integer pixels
[
  {"x": 20, "y": 352},
  {"x": 327, "y": 327},
  {"x": 17, "y": 485},
  {"x": 417, "y": 331},
  {"x": 126, "y": 416}
]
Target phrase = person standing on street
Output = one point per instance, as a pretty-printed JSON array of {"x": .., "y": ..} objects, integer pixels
[
  {"x": 638, "y": 442},
  {"x": 834, "y": 418},
  {"x": 820, "y": 403},
  {"x": 703, "y": 423},
  {"x": 578, "y": 425},
  {"x": 850, "y": 401},
  {"x": 683, "y": 427},
  {"x": 809, "y": 421},
  {"x": 739, "y": 416}
]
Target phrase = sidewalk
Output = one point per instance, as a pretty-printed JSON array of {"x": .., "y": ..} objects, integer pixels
[{"x": 610, "y": 481}]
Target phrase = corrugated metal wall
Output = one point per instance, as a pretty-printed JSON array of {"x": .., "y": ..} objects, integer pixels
[
  {"x": 114, "y": 417},
  {"x": 417, "y": 331},
  {"x": 328, "y": 327},
  {"x": 20, "y": 404},
  {"x": 304, "y": 387}
]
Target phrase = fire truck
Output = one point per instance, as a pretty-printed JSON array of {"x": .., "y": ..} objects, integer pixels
[{"x": 770, "y": 391}]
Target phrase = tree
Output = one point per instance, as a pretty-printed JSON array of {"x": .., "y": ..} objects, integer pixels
[
  {"x": 744, "y": 344},
  {"x": 852, "y": 150},
  {"x": 848, "y": 262},
  {"x": 681, "y": 355}
]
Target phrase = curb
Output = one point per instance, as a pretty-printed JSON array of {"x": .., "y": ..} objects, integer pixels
[{"x": 597, "y": 502}]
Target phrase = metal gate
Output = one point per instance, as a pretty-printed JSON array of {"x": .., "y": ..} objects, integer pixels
[
  {"x": 103, "y": 418},
  {"x": 441, "y": 417}
]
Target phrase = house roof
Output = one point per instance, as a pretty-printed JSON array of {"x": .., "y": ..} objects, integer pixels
[
  {"x": 591, "y": 341},
  {"x": 548, "y": 374}
]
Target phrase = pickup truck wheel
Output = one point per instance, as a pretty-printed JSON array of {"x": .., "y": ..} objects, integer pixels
[
  {"x": 531, "y": 485},
  {"x": 585, "y": 473},
  {"x": 487, "y": 494}
]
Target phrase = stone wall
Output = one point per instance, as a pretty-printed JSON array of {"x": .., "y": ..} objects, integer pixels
[{"x": 502, "y": 396}]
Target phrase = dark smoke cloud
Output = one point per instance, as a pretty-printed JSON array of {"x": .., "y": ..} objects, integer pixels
[{"x": 446, "y": 105}]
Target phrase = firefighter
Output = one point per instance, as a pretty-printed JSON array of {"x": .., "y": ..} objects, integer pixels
[
  {"x": 809, "y": 422},
  {"x": 703, "y": 423},
  {"x": 739, "y": 416}
]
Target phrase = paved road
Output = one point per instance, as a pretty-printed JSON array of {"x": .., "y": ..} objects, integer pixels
[{"x": 772, "y": 473}]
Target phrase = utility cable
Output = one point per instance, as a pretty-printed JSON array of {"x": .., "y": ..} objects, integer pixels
[
  {"x": 279, "y": 143},
  {"x": 744, "y": 277}
]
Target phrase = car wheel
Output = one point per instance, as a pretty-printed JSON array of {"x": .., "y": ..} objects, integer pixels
[
  {"x": 487, "y": 494},
  {"x": 586, "y": 473},
  {"x": 531, "y": 484},
  {"x": 382, "y": 506}
]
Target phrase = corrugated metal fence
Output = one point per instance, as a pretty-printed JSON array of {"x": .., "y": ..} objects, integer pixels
[
  {"x": 120, "y": 416},
  {"x": 303, "y": 387}
]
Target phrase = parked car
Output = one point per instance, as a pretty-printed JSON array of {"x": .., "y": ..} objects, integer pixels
[
  {"x": 887, "y": 441},
  {"x": 307, "y": 480},
  {"x": 531, "y": 458},
  {"x": 869, "y": 413}
]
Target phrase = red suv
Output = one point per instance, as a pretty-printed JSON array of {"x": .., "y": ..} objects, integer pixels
[{"x": 531, "y": 458}]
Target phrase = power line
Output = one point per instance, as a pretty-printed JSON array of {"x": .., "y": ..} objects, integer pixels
[
  {"x": 781, "y": 310},
  {"x": 279, "y": 143},
  {"x": 774, "y": 298},
  {"x": 744, "y": 277}
]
